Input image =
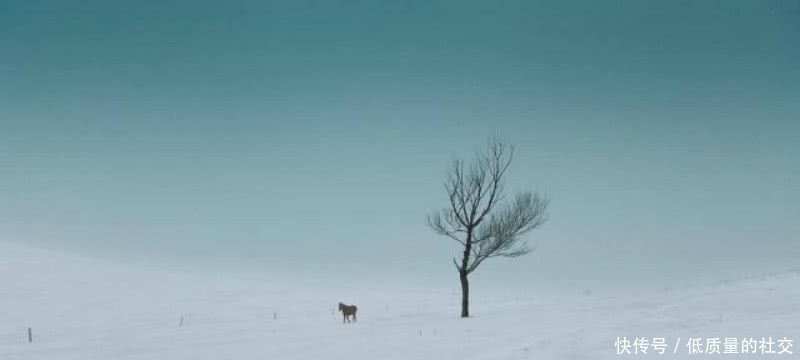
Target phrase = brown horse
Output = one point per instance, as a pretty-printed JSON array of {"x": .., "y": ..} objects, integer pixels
[{"x": 347, "y": 311}]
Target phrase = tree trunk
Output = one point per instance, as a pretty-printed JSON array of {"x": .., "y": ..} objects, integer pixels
[{"x": 464, "y": 294}]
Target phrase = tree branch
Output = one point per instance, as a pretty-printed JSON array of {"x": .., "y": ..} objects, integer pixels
[
  {"x": 455, "y": 262},
  {"x": 473, "y": 219},
  {"x": 502, "y": 234},
  {"x": 445, "y": 228}
]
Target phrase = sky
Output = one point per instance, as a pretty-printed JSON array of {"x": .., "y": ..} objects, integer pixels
[{"x": 312, "y": 138}]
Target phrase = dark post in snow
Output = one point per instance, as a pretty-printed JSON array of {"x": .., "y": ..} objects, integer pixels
[
  {"x": 275, "y": 315},
  {"x": 475, "y": 219},
  {"x": 30, "y": 335},
  {"x": 181, "y": 324}
]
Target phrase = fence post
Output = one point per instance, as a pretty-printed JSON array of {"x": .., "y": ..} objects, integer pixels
[{"x": 30, "y": 335}]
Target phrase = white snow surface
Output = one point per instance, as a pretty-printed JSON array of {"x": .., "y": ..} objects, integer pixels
[{"x": 90, "y": 310}]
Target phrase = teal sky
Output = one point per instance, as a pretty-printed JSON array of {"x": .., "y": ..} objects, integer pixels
[{"x": 312, "y": 137}]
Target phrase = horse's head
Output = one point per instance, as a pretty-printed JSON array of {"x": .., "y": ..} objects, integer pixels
[{"x": 341, "y": 306}]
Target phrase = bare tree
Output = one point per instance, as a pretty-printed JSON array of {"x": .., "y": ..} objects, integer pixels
[{"x": 476, "y": 219}]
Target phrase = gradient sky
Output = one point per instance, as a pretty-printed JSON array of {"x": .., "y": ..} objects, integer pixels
[{"x": 313, "y": 137}]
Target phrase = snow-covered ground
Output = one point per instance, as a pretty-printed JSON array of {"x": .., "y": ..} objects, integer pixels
[{"x": 89, "y": 310}]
